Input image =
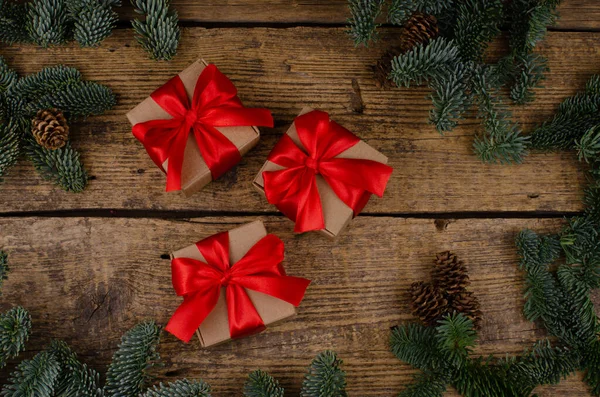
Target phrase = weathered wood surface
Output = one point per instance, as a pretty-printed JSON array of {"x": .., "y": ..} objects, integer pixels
[
  {"x": 575, "y": 14},
  {"x": 285, "y": 70},
  {"x": 87, "y": 280}
]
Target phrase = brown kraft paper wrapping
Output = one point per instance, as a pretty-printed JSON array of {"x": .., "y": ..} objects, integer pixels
[
  {"x": 336, "y": 213},
  {"x": 195, "y": 173},
  {"x": 215, "y": 328}
]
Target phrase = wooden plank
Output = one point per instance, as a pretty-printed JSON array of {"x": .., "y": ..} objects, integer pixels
[
  {"x": 87, "y": 280},
  {"x": 574, "y": 14},
  {"x": 285, "y": 70}
]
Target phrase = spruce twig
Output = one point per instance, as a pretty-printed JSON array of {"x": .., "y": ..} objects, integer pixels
[{"x": 159, "y": 33}]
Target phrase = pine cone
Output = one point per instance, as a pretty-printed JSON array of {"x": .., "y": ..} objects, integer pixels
[
  {"x": 449, "y": 273},
  {"x": 419, "y": 29},
  {"x": 466, "y": 303},
  {"x": 428, "y": 302},
  {"x": 50, "y": 129}
]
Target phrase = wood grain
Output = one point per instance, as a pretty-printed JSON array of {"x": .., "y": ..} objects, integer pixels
[
  {"x": 574, "y": 14},
  {"x": 87, "y": 280},
  {"x": 285, "y": 70}
]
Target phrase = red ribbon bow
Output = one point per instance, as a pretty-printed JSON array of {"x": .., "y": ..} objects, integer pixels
[
  {"x": 294, "y": 189},
  {"x": 200, "y": 285},
  {"x": 215, "y": 104}
]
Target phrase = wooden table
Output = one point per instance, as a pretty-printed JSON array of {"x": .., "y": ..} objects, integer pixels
[{"x": 89, "y": 266}]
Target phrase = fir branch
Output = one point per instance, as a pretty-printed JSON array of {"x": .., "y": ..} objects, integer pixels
[
  {"x": 62, "y": 166},
  {"x": 15, "y": 327},
  {"x": 399, "y": 11},
  {"x": 455, "y": 337},
  {"x": 591, "y": 364},
  {"x": 13, "y": 22},
  {"x": 529, "y": 20},
  {"x": 45, "y": 82},
  {"x": 47, "y": 22},
  {"x": 7, "y": 76},
  {"x": 450, "y": 98},
  {"x": 588, "y": 146},
  {"x": 417, "y": 345},
  {"x": 425, "y": 386},
  {"x": 261, "y": 384},
  {"x": 363, "y": 25},
  {"x": 324, "y": 377},
  {"x": 478, "y": 23},
  {"x": 10, "y": 147},
  {"x": 128, "y": 373},
  {"x": 159, "y": 33},
  {"x": 81, "y": 99},
  {"x": 422, "y": 63},
  {"x": 528, "y": 73},
  {"x": 179, "y": 388},
  {"x": 35, "y": 377},
  {"x": 93, "y": 21}
]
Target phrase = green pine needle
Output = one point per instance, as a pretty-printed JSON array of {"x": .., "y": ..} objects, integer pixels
[
  {"x": 180, "y": 388},
  {"x": 13, "y": 16},
  {"x": 15, "y": 327},
  {"x": 93, "y": 23},
  {"x": 450, "y": 98},
  {"x": 325, "y": 378},
  {"x": 10, "y": 147},
  {"x": 128, "y": 373},
  {"x": 45, "y": 82},
  {"x": 3, "y": 268},
  {"x": 417, "y": 345},
  {"x": 426, "y": 386},
  {"x": 455, "y": 337},
  {"x": 588, "y": 146},
  {"x": 47, "y": 22},
  {"x": 363, "y": 20},
  {"x": 33, "y": 378},
  {"x": 261, "y": 384},
  {"x": 159, "y": 33}
]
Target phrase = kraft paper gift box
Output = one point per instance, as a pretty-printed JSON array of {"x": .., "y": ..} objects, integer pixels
[
  {"x": 215, "y": 328},
  {"x": 195, "y": 172},
  {"x": 336, "y": 213}
]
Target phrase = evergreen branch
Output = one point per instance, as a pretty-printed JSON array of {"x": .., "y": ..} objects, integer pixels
[
  {"x": 93, "y": 22},
  {"x": 82, "y": 99},
  {"x": 128, "y": 373},
  {"x": 450, "y": 98},
  {"x": 455, "y": 337},
  {"x": 47, "y": 22},
  {"x": 529, "y": 72},
  {"x": 426, "y": 386},
  {"x": 363, "y": 25},
  {"x": 261, "y": 384},
  {"x": 15, "y": 327},
  {"x": 431, "y": 61},
  {"x": 33, "y": 378},
  {"x": 480, "y": 377},
  {"x": 7, "y": 76},
  {"x": 12, "y": 22},
  {"x": 75, "y": 379},
  {"x": 591, "y": 364},
  {"x": 417, "y": 345},
  {"x": 324, "y": 377},
  {"x": 179, "y": 388},
  {"x": 10, "y": 147},
  {"x": 477, "y": 24},
  {"x": 159, "y": 33},
  {"x": 536, "y": 252},
  {"x": 400, "y": 11},
  {"x": 529, "y": 20},
  {"x": 588, "y": 146},
  {"x": 62, "y": 166},
  {"x": 45, "y": 82}
]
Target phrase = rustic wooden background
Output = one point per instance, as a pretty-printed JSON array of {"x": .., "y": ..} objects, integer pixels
[{"x": 89, "y": 266}]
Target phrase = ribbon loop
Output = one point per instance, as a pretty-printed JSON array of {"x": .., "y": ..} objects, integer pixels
[
  {"x": 215, "y": 104},
  {"x": 200, "y": 284},
  {"x": 294, "y": 190}
]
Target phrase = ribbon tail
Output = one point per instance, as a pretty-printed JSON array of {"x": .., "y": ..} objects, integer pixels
[
  {"x": 192, "y": 313},
  {"x": 287, "y": 288},
  {"x": 244, "y": 320}
]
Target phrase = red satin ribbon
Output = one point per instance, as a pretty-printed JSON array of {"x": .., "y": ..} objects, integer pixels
[
  {"x": 200, "y": 285},
  {"x": 294, "y": 189},
  {"x": 215, "y": 104}
]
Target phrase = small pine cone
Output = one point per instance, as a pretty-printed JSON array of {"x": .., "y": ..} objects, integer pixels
[
  {"x": 449, "y": 273},
  {"x": 419, "y": 29},
  {"x": 466, "y": 303},
  {"x": 50, "y": 129},
  {"x": 428, "y": 302}
]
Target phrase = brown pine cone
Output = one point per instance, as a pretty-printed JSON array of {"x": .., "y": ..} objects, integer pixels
[
  {"x": 50, "y": 129},
  {"x": 419, "y": 29},
  {"x": 466, "y": 303},
  {"x": 449, "y": 273},
  {"x": 428, "y": 302}
]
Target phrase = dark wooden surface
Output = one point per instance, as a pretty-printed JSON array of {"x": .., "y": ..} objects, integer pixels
[{"x": 88, "y": 266}]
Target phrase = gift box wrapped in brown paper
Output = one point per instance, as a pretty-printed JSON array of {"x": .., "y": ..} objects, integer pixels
[
  {"x": 215, "y": 328},
  {"x": 195, "y": 173},
  {"x": 336, "y": 213}
]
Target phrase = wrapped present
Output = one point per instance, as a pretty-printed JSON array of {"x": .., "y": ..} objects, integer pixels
[
  {"x": 320, "y": 175},
  {"x": 195, "y": 128},
  {"x": 233, "y": 284}
]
